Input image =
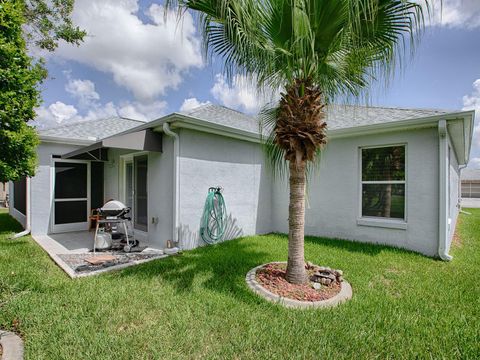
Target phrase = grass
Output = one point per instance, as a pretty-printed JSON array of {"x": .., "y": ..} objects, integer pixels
[{"x": 197, "y": 305}]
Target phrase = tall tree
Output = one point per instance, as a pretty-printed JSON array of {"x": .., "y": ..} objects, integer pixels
[
  {"x": 313, "y": 51},
  {"x": 43, "y": 24}
]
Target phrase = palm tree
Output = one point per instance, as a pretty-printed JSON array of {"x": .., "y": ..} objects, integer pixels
[{"x": 314, "y": 51}]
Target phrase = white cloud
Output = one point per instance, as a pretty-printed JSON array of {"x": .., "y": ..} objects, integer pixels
[
  {"x": 146, "y": 58},
  {"x": 455, "y": 13},
  {"x": 474, "y": 163},
  {"x": 82, "y": 90},
  {"x": 191, "y": 103},
  {"x": 472, "y": 102},
  {"x": 241, "y": 94},
  {"x": 60, "y": 113},
  {"x": 143, "y": 112}
]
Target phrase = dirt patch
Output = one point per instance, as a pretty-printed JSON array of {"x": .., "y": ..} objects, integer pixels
[
  {"x": 273, "y": 278},
  {"x": 457, "y": 240}
]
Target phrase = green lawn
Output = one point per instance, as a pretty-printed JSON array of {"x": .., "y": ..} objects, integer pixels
[{"x": 197, "y": 305}]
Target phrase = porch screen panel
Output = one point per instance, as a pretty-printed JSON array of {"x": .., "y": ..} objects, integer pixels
[
  {"x": 383, "y": 182},
  {"x": 71, "y": 193},
  {"x": 20, "y": 195},
  {"x": 141, "y": 196},
  {"x": 68, "y": 212},
  {"x": 70, "y": 180}
]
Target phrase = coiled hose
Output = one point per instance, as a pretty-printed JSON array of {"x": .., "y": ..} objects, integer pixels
[{"x": 214, "y": 218}]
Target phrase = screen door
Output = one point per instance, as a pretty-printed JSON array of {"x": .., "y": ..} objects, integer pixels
[{"x": 71, "y": 196}]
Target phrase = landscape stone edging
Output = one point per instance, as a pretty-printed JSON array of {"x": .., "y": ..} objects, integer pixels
[
  {"x": 12, "y": 346},
  {"x": 344, "y": 294}
]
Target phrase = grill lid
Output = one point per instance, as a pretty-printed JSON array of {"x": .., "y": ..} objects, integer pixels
[{"x": 113, "y": 205}]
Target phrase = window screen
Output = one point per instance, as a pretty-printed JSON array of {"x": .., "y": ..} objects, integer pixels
[
  {"x": 20, "y": 195},
  {"x": 383, "y": 182}
]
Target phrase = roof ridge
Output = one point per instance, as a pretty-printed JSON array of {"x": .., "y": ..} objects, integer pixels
[{"x": 394, "y": 108}]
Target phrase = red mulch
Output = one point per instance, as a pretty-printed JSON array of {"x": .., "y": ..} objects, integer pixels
[{"x": 272, "y": 278}]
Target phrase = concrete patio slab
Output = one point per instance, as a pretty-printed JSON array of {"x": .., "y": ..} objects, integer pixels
[{"x": 61, "y": 247}]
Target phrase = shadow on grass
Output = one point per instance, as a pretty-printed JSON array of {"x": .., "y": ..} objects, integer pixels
[
  {"x": 221, "y": 268},
  {"x": 364, "y": 248},
  {"x": 8, "y": 224}
]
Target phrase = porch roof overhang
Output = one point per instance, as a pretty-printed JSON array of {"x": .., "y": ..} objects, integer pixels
[{"x": 142, "y": 140}]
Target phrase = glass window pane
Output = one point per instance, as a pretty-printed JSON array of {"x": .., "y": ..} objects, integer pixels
[
  {"x": 383, "y": 164},
  {"x": 383, "y": 200},
  {"x": 70, "y": 180},
  {"x": 141, "y": 198},
  {"x": 129, "y": 185},
  {"x": 67, "y": 212}
]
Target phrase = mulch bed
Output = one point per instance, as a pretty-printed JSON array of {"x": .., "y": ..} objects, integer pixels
[{"x": 272, "y": 278}]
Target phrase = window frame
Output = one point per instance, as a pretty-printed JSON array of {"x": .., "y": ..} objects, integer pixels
[{"x": 378, "y": 221}]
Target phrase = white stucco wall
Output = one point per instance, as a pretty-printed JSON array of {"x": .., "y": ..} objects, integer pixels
[
  {"x": 208, "y": 160},
  {"x": 334, "y": 193}
]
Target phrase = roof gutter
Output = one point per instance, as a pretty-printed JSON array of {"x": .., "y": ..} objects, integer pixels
[
  {"x": 63, "y": 140},
  {"x": 443, "y": 191},
  {"x": 176, "y": 181}
]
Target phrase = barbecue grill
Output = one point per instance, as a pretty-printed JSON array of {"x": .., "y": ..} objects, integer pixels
[{"x": 114, "y": 213}]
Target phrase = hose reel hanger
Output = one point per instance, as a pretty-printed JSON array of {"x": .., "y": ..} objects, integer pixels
[{"x": 214, "y": 218}]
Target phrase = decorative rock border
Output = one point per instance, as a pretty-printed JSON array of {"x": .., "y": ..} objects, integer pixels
[
  {"x": 12, "y": 346},
  {"x": 344, "y": 294}
]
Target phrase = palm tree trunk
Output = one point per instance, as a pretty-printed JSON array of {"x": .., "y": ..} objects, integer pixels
[{"x": 296, "y": 273}]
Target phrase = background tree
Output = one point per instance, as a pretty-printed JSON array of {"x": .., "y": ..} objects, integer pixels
[
  {"x": 43, "y": 24},
  {"x": 314, "y": 51}
]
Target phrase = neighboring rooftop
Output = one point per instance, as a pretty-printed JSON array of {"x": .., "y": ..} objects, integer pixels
[
  {"x": 91, "y": 130},
  {"x": 470, "y": 174},
  {"x": 338, "y": 116}
]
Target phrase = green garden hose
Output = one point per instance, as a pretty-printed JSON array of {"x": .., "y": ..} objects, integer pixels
[{"x": 214, "y": 218}]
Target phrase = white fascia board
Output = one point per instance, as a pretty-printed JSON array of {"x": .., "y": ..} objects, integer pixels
[{"x": 62, "y": 140}]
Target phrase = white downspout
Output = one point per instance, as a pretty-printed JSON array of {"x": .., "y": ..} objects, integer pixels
[
  {"x": 443, "y": 176},
  {"x": 27, "y": 211},
  {"x": 176, "y": 180}
]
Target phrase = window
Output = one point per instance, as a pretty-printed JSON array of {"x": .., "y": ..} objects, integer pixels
[{"x": 383, "y": 182}]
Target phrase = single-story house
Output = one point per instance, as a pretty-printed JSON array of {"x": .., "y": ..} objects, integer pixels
[
  {"x": 470, "y": 183},
  {"x": 387, "y": 175}
]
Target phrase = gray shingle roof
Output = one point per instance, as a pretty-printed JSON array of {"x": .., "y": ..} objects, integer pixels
[
  {"x": 348, "y": 116},
  {"x": 338, "y": 116},
  {"x": 225, "y": 116},
  {"x": 92, "y": 129}
]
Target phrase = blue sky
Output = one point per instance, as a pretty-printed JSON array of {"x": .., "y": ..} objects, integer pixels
[{"x": 135, "y": 64}]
